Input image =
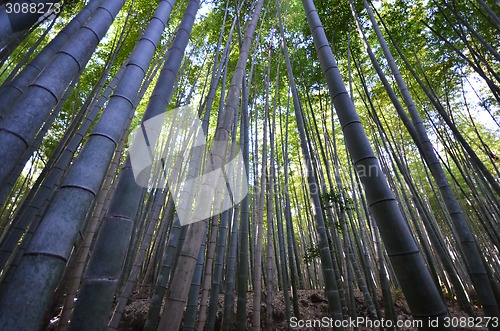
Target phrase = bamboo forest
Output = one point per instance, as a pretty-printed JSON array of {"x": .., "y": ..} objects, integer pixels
[{"x": 249, "y": 165}]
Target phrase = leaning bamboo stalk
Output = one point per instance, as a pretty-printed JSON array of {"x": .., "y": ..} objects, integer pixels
[
  {"x": 179, "y": 288},
  {"x": 424, "y": 300}
]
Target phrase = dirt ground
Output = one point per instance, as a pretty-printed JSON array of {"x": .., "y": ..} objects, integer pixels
[{"x": 312, "y": 306}]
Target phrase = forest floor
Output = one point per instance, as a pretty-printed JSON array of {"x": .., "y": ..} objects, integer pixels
[{"x": 312, "y": 305}]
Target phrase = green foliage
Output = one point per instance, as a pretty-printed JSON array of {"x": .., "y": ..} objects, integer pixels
[
  {"x": 338, "y": 198},
  {"x": 311, "y": 253}
]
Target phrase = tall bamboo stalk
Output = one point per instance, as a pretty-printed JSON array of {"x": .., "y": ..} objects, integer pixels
[{"x": 424, "y": 300}]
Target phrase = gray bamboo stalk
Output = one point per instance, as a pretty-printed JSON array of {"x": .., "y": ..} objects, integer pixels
[
  {"x": 127, "y": 291},
  {"x": 344, "y": 210},
  {"x": 210, "y": 288},
  {"x": 20, "y": 223},
  {"x": 164, "y": 220},
  {"x": 487, "y": 45},
  {"x": 189, "y": 319},
  {"x": 80, "y": 261},
  {"x": 435, "y": 239},
  {"x": 228, "y": 308},
  {"x": 424, "y": 300},
  {"x": 257, "y": 281},
  {"x": 290, "y": 236},
  {"x": 11, "y": 92},
  {"x": 336, "y": 248},
  {"x": 213, "y": 305},
  {"x": 387, "y": 300},
  {"x": 277, "y": 210},
  {"x": 148, "y": 274},
  {"x": 331, "y": 289},
  {"x": 244, "y": 225},
  {"x": 33, "y": 223},
  {"x": 476, "y": 56},
  {"x": 432, "y": 97},
  {"x": 253, "y": 219},
  {"x": 65, "y": 216},
  {"x": 179, "y": 288},
  {"x": 100, "y": 282},
  {"x": 217, "y": 69},
  {"x": 125, "y": 203},
  {"x": 163, "y": 276},
  {"x": 90, "y": 103},
  {"x": 46, "y": 188},
  {"x": 138, "y": 259},
  {"x": 278, "y": 198},
  {"x": 221, "y": 242},
  {"x": 483, "y": 144},
  {"x": 13, "y": 21},
  {"x": 207, "y": 277},
  {"x": 10, "y": 47},
  {"x": 465, "y": 234},
  {"x": 235, "y": 237},
  {"x": 222, "y": 235},
  {"x": 27, "y": 54},
  {"x": 245, "y": 233},
  {"x": 19, "y": 128},
  {"x": 17, "y": 171},
  {"x": 60, "y": 161},
  {"x": 270, "y": 207},
  {"x": 491, "y": 13},
  {"x": 495, "y": 90},
  {"x": 270, "y": 259}
]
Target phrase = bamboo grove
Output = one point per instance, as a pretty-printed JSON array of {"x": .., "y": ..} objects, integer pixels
[{"x": 368, "y": 133}]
